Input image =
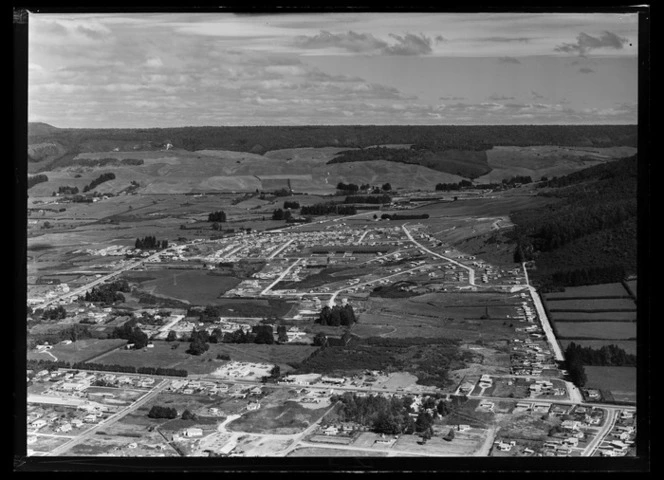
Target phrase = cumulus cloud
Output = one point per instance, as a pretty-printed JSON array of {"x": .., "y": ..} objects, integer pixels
[
  {"x": 509, "y": 60},
  {"x": 451, "y": 98},
  {"x": 440, "y": 39},
  {"x": 585, "y": 43},
  {"x": 154, "y": 62},
  {"x": 408, "y": 44},
  {"x": 586, "y": 70},
  {"x": 351, "y": 41},
  {"x": 536, "y": 95}
]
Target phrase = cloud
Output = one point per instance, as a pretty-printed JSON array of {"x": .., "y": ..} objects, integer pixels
[
  {"x": 409, "y": 44},
  {"x": 154, "y": 62},
  {"x": 586, "y": 70},
  {"x": 509, "y": 60},
  {"x": 503, "y": 39},
  {"x": 536, "y": 95},
  {"x": 451, "y": 98},
  {"x": 351, "y": 41},
  {"x": 440, "y": 39},
  {"x": 585, "y": 43},
  {"x": 496, "y": 97}
]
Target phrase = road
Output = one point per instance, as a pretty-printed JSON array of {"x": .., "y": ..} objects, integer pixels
[
  {"x": 544, "y": 320},
  {"x": 59, "y": 450},
  {"x": 335, "y": 294},
  {"x": 599, "y": 438},
  {"x": 280, "y": 249},
  {"x": 471, "y": 272},
  {"x": 280, "y": 277}
]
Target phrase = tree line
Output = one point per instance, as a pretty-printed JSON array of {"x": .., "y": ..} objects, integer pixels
[
  {"x": 337, "y": 315},
  {"x": 400, "y": 216},
  {"x": 373, "y": 199},
  {"x": 66, "y": 190},
  {"x": 607, "y": 355},
  {"x": 150, "y": 242},
  {"x": 291, "y": 205},
  {"x": 446, "y": 187},
  {"x": 132, "y": 333},
  {"x": 104, "y": 177},
  {"x": 328, "y": 208},
  {"x": 35, "y": 179},
  {"x": 280, "y": 214}
]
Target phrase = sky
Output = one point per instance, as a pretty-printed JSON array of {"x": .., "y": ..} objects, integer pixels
[{"x": 157, "y": 70}]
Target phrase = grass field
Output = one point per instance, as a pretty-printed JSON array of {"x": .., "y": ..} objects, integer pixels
[
  {"x": 620, "y": 381},
  {"x": 333, "y": 452},
  {"x": 163, "y": 355},
  {"x": 602, "y": 290},
  {"x": 193, "y": 286},
  {"x": 288, "y": 418},
  {"x": 597, "y": 330},
  {"x": 79, "y": 351},
  {"x": 594, "y": 316},
  {"x": 592, "y": 304},
  {"x": 628, "y": 345}
]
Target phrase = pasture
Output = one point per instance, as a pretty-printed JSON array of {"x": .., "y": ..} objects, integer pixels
[
  {"x": 164, "y": 355},
  {"x": 192, "y": 286},
  {"x": 79, "y": 351},
  {"x": 334, "y": 451},
  {"x": 620, "y": 381},
  {"x": 597, "y": 330},
  {"x": 594, "y": 316},
  {"x": 287, "y": 418},
  {"x": 592, "y": 304},
  {"x": 592, "y": 291}
]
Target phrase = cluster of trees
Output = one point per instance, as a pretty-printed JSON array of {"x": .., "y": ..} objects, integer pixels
[
  {"x": 589, "y": 275},
  {"x": 327, "y": 208},
  {"x": 157, "y": 411},
  {"x": 56, "y": 313},
  {"x": 150, "y": 243},
  {"x": 291, "y": 204},
  {"x": 35, "y": 179},
  {"x": 65, "y": 190},
  {"x": 280, "y": 214},
  {"x": 391, "y": 416},
  {"x": 217, "y": 216},
  {"x": 132, "y": 333},
  {"x": 446, "y": 187},
  {"x": 108, "y": 293},
  {"x": 373, "y": 199},
  {"x": 522, "y": 179},
  {"x": 574, "y": 366},
  {"x": 104, "y": 177},
  {"x": 607, "y": 355},
  {"x": 400, "y": 216},
  {"x": 337, "y": 315},
  {"x": 107, "y": 162},
  {"x": 347, "y": 187},
  {"x": 199, "y": 342}
]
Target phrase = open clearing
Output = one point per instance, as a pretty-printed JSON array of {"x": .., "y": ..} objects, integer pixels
[
  {"x": 601, "y": 290},
  {"x": 193, "y": 286},
  {"x": 620, "y": 381},
  {"x": 288, "y": 418},
  {"x": 164, "y": 355},
  {"x": 597, "y": 330},
  {"x": 594, "y": 316},
  {"x": 333, "y": 452},
  {"x": 592, "y": 304},
  {"x": 79, "y": 351}
]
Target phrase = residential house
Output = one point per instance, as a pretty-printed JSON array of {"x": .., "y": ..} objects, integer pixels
[{"x": 193, "y": 432}]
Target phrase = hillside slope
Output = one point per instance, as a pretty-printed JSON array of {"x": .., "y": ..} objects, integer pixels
[{"x": 589, "y": 235}]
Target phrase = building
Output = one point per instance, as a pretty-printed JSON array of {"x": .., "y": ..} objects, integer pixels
[{"x": 193, "y": 432}]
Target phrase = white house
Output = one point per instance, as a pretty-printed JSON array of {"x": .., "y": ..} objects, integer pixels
[{"x": 193, "y": 432}]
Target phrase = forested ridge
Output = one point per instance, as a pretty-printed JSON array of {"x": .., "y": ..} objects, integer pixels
[{"x": 588, "y": 235}]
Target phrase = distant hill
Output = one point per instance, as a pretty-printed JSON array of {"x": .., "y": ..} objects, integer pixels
[
  {"x": 589, "y": 235},
  {"x": 40, "y": 129}
]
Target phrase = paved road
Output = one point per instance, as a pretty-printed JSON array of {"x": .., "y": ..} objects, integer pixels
[
  {"x": 109, "y": 421},
  {"x": 590, "y": 449},
  {"x": 471, "y": 272},
  {"x": 544, "y": 320},
  {"x": 280, "y": 249},
  {"x": 280, "y": 277}
]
